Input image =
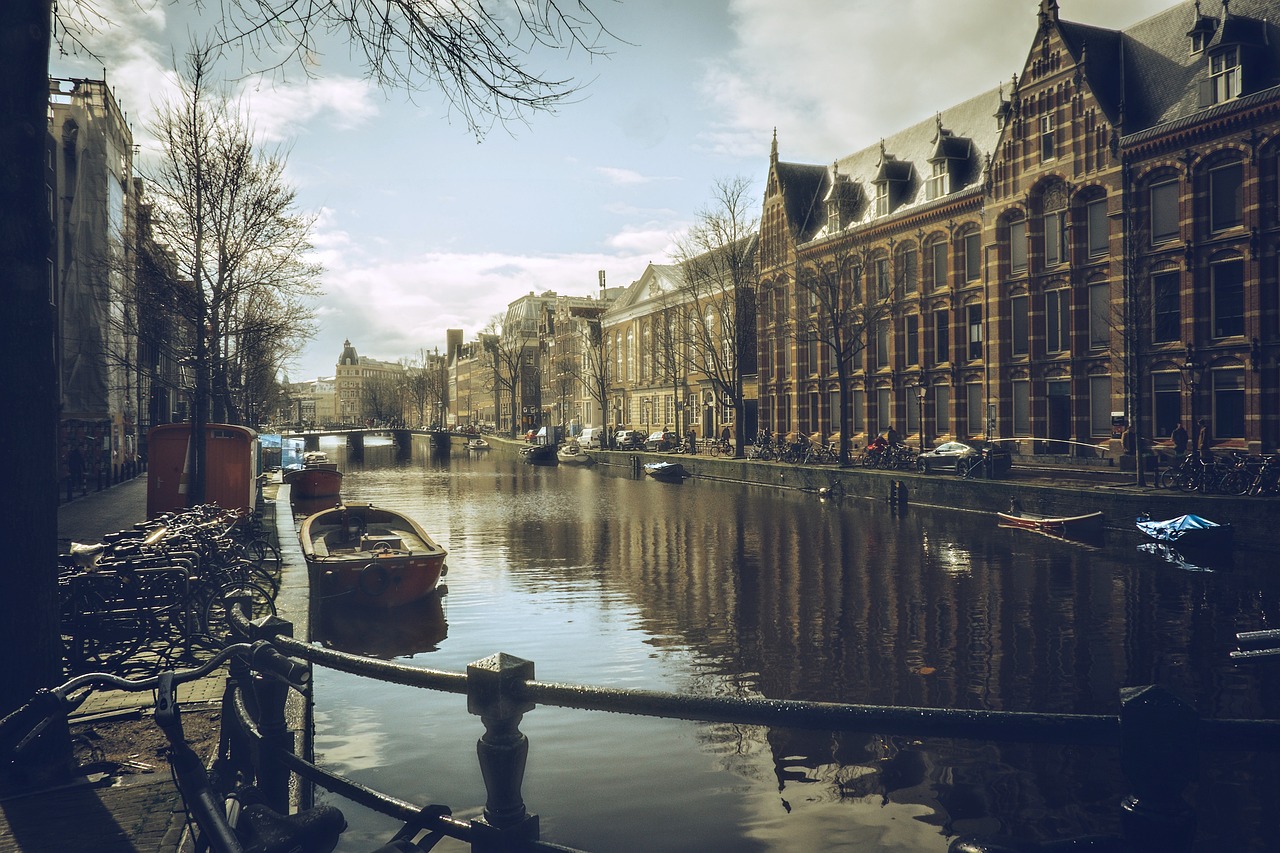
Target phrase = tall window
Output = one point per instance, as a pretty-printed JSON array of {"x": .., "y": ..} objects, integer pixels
[
  {"x": 1226, "y": 197},
  {"x": 1098, "y": 227},
  {"x": 1224, "y": 75},
  {"x": 942, "y": 408},
  {"x": 1057, "y": 320},
  {"x": 1055, "y": 237},
  {"x": 882, "y": 278},
  {"x": 1021, "y": 407},
  {"x": 973, "y": 404},
  {"x": 1020, "y": 334},
  {"x": 812, "y": 356},
  {"x": 938, "y": 263},
  {"x": 1100, "y": 405},
  {"x": 910, "y": 269},
  {"x": 973, "y": 318},
  {"x": 1164, "y": 212},
  {"x": 1166, "y": 305},
  {"x": 913, "y": 339},
  {"x": 972, "y": 257},
  {"x": 884, "y": 409},
  {"x": 1227, "y": 280},
  {"x": 1018, "y": 246},
  {"x": 1166, "y": 394},
  {"x": 942, "y": 336},
  {"x": 882, "y": 198},
  {"x": 1048, "y": 141},
  {"x": 1228, "y": 403},
  {"x": 937, "y": 184},
  {"x": 1099, "y": 316},
  {"x": 882, "y": 344},
  {"x": 858, "y": 413}
]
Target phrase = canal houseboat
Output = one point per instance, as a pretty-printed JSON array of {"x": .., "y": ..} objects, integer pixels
[
  {"x": 317, "y": 478},
  {"x": 372, "y": 555}
]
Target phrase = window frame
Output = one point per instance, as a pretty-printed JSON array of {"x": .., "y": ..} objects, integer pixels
[
  {"x": 1098, "y": 228},
  {"x": 1048, "y": 138},
  {"x": 1226, "y": 201},
  {"x": 1099, "y": 316},
  {"x": 1162, "y": 208},
  {"x": 1233, "y": 300},
  {"x": 1225, "y": 80},
  {"x": 1018, "y": 246},
  {"x": 1057, "y": 320},
  {"x": 1055, "y": 238},
  {"x": 1166, "y": 306},
  {"x": 973, "y": 322},
  {"x": 938, "y": 263},
  {"x": 942, "y": 336},
  {"x": 1020, "y": 324},
  {"x": 972, "y": 256}
]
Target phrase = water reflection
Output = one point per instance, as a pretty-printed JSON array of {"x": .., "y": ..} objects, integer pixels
[
  {"x": 380, "y": 632},
  {"x": 712, "y": 588}
]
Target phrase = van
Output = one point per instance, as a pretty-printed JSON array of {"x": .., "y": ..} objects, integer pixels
[
  {"x": 590, "y": 438},
  {"x": 629, "y": 439}
]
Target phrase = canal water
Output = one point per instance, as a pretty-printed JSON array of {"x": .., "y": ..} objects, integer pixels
[{"x": 721, "y": 589}]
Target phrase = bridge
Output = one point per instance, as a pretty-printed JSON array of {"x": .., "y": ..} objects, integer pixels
[{"x": 355, "y": 438}]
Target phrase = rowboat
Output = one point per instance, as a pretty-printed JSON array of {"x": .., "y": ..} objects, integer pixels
[
  {"x": 477, "y": 444},
  {"x": 668, "y": 471},
  {"x": 1188, "y": 531},
  {"x": 1086, "y": 525},
  {"x": 317, "y": 478},
  {"x": 540, "y": 454},
  {"x": 373, "y": 555},
  {"x": 572, "y": 454}
]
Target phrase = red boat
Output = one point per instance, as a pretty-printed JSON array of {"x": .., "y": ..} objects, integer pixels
[
  {"x": 317, "y": 478},
  {"x": 372, "y": 555},
  {"x": 1069, "y": 526}
]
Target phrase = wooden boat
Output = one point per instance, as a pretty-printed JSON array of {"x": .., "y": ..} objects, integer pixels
[
  {"x": 540, "y": 454},
  {"x": 1188, "y": 531},
  {"x": 668, "y": 471},
  {"x": 373, "y": 555},
  {"x": 1086, "y": 525},
  {"x": 573, "y": 454},
  {"x": 317, "y": 478}
]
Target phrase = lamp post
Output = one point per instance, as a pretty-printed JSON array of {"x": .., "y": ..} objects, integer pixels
[
  {"x": 1189, "y": 369},
  {"x": 921, "y": 391}
]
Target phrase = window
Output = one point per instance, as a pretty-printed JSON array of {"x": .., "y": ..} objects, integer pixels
[
  {"x": 973, "y": 257},
  {"x": 942, "y": 408},
  {"x": 1099, "y": 316},
  {"x": 1227, "y": 281},
  {"x": 833, "y": 411},
  {"x": 1164, "y": 212},
  {"x": 884, "y": 409},
  {"x": 1226, "y": 199},
  {"x": 882, "y": 198},
  {"x": 1048, "y": 144},
  {"x": 1224, "y": 75},
  {"x": 1100, "y": 406},
  {"x": 1020, "y": 334},
  {"x": 938, "y": 263},
  {"x": 882, "y": 278},
  {"x": 1021, "y": 407},
  {"x": 913, "y": 339},
  {"x": 1055, "y": 238},
  {"x": 942, "y": 336},
  {"x": 1018, "y": 246},
  {"x": 1228, "y": 403},
  {"x": 974, "y": 320},
  {"x": 973, "y": 402},
  {"x": 1098, "y": 228},
  {"x": 1166, "y": 306},
  {"x": 882, "y": 344},
  {"x": 910, "y": 268},
  {"x": 913, "y": 411},
  {"x": 938, "y": 183},
  {"x": 858, "y": 415},
  {"x": 1057, "y": 320},
  {"x": 812, "y": 354},
  {"x": 1166, "y": 394}
]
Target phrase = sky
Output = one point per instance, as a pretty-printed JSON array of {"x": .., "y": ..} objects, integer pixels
[{"x": 421, "y": 226}]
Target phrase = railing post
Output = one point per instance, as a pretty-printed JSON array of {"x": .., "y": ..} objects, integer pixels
[
  {"x": 271, "y": 695},
  {"x": 502, "y": 750},
  {"x": 1159, "y": 752}
]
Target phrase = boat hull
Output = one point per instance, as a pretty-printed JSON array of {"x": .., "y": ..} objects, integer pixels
[
  {"x": 310, "y": 483},
  {"x": 1088, "y": 524},
  {"x": 542, "y": 454},
  {"x": 1189, "y": 531},
  {"x": 369, "y": 556},
  {"x": 672, "y": 472}
]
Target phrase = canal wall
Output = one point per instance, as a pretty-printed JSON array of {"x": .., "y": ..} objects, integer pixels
[{"x": 1043, "y": 491}]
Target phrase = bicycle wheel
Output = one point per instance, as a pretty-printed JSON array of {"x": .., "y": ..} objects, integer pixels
[
  {"x": 214, "y": 622},
  {"x": 1168, "y": 478},
  {"x": 98, "y": 631}
]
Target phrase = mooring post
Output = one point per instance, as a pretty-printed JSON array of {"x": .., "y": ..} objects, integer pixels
[
  {"x": 271, "y": 695},
  {"x": 492, "y": 695},
  {"x": 1159, "y": 752}
]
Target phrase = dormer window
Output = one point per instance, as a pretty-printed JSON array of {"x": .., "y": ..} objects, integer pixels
[
  {"x": 891, "y": 182},
  {"x": 1224, "y": 75},
  {"x": 939, "y": 182},
  {"x": 882, "y": 198}
]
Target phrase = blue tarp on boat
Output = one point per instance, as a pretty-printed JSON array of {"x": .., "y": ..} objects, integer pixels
[{"x": 1174, "y": 529}]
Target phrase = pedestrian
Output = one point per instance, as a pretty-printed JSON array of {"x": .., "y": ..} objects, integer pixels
[
  {"x": 1126, "y": 439},
  {"x": 1179, "y": 439},
  {"x": 1202, "y": 441},
  {"x": 891, "y": 436}
]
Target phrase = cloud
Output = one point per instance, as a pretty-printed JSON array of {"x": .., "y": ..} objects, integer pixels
[
  {"x": 625, "y": 177},
  {"x": 280, "y": 111}
]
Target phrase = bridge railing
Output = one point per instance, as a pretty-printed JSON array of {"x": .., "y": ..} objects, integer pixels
[{"x": 1159, "y": 738}]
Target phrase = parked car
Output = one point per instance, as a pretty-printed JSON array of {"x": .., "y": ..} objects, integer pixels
[
  {"x": 957, "y": 456},
  {"x": 661, "y": 441},
  {"x": 589, "y": 438},
  {"x": 629, "y": 439}
]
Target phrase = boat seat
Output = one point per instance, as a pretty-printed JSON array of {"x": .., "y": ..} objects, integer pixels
[{"x": 375, "y": 543}]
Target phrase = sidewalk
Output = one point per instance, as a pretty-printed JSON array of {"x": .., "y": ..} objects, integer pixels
[{"x": 126, "y": 813}]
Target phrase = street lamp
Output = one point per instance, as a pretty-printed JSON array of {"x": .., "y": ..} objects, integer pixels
[
  {"x": 921, "y": 391},
  {"x": 1189, "y": 369}
]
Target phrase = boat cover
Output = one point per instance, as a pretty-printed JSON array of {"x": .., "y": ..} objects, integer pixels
[{"x": 1172, "y": 529}]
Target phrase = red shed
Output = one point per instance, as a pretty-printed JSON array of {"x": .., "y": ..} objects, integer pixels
[{"x": 231, "y": 467}]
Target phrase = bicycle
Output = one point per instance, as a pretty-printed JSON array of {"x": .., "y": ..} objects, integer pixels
[
  {"x": 235, "y": 821},
  {"x": 721, "y": 447}
]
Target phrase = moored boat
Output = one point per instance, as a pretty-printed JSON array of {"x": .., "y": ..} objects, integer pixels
[
  {"x": 670, "y": 471},
  {"x": 477, "y": 444},
  {"x": 374, "y": 555},
  {"x": 1188, "y": 531},
  {"x": 1071, "y": 526},
  {"x": 573, "y": 454},
  {"x": 540, "y": 454},
  {"x": 317, "y": 478}
]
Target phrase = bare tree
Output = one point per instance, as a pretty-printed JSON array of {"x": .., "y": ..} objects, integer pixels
[
  {"x": 838, "y": 313},
  {"x": 717, "y": 258},
  {"x": 504, "y": 353},
  {"x": 426, "y": 384},
  {"x": 593, "y": 368},
  {"x": 382, "y": 398}
]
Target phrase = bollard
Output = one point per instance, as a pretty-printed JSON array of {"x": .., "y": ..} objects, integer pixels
[
  {"x": 502, "y": 751},
  {"x": 1159, "y": 751},
  {"x": 271, "y": 695}
]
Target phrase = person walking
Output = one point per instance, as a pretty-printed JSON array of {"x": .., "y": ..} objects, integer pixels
[
  {"x": 1179, "y": 439},
  {"x": 1202, "y": 441}
]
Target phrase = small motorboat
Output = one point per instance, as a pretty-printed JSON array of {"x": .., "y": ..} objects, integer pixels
[
  {"x": 573, "y": 454},
  {"x": 668, "y": 471},
  {"x": 317, "y": 478},
  {"x": 477, "y": 444},
  {"x": 1188, "y": 531},
  {"x": 540, "y": 454},
  {"x": 377, "y": 557},
  {"x": 1086, "y": 525}
]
